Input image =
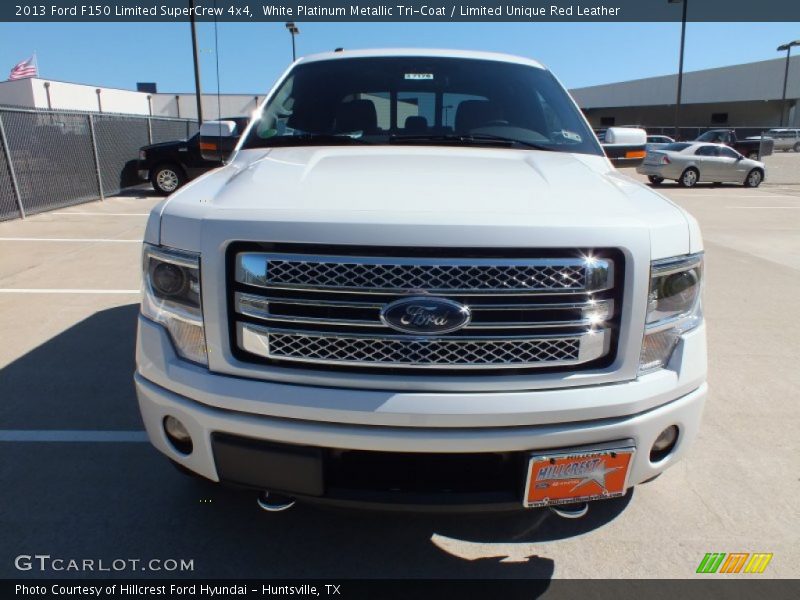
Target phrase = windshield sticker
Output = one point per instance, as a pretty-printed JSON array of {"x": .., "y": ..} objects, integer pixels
[
  {"x": 571, "y": 135},
  {"x": 418, "y": 76}
]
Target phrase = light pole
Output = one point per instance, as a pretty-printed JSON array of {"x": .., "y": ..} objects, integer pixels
[
  {"x": 680, "y": 67},
  {"x": 788, "y": 48},
  {"x": 293, "y": 30},
  {"x": 197, "y": 92}
]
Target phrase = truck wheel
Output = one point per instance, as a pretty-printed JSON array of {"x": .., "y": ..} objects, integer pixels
[
  {"x": 753, "y": 156},
  {"x": 797, "y": 147},
  {"x": 689, "y": 177},
  {"x": 655, "y": 179},
  {"x": 167, "y": 178},
  {"x": 754, "y": 178}
]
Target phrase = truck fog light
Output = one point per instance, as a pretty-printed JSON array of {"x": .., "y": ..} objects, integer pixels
[
  {"x": 178, "y": 435},
  {"x": 664, "y": 443}
]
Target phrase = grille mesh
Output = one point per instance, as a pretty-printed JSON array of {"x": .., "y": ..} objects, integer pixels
[
  {"x": 428, "y": 277},
  {"x": 417, "y": 352}
]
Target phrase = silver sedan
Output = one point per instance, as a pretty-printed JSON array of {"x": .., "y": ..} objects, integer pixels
[{"x": 690, "y": 163}]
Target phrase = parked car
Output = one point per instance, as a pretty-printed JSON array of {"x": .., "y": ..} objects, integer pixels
[
  {"x": 168, "y": 165},
  {"x": 783, "y": 139},
  {"x": 655, "y": 142},
  {"x": 375, "y": 304},
  {"x": 754, "y": 149},
  {"x": 690, "y": 163}
]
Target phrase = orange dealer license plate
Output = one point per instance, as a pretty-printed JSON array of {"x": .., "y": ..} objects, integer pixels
[{"x": 566, "y": 476}]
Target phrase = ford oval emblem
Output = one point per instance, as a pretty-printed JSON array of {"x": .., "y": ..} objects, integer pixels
[{"x": 425, "y": 315}]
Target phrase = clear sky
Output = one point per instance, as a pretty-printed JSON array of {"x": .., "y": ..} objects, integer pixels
[{"x": 252, "y": 55}]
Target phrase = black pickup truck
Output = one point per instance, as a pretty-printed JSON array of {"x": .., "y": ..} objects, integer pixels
[
  {"x": 754, "y": 149},
  {"x": 169, "y": 165}
]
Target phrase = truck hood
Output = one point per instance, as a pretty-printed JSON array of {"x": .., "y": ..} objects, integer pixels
[
  {"x": 173, "y": 144},
  {"x": 431, "y": 195}
]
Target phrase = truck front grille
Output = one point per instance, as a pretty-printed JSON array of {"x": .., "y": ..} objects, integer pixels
[
  {"x": 373, "y": 274},
  {"x": 325, "y": 309}
]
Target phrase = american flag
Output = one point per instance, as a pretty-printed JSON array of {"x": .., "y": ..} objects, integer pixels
[{"x": 26, "y": 68}]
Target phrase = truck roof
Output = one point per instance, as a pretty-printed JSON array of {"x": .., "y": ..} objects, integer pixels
[{"x": 383, "y": 52}]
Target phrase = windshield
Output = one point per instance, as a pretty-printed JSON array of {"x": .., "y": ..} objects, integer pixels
[
  {"x": 676, "y": 146},
  {"x": 713, "y": 136},
  {"x": 422, "y": 100}
]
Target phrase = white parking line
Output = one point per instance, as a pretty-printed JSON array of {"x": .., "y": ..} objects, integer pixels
[
  {"x": 759, "y": 207},
  {"x": 100, "y": 214},
  {"x": 63, "y": 291},
  {"x": 79, "y": 240},
  {"x": 71, "y": 435}
]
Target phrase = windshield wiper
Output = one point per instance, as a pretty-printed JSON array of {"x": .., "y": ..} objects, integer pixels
[
  {"x": 477, "y": 139},
  {"x": 308, "y": 139}
]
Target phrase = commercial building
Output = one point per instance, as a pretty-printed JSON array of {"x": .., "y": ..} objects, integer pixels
[
  {"x": 40, "y": 93},
  {"x": 746, "y": 95}
]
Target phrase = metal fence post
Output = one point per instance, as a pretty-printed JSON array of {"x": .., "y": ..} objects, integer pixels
[
  {"x": 96, "y": 158},
  {"x": 14, "y": 184},
  {"x": 149, "y": 130}
]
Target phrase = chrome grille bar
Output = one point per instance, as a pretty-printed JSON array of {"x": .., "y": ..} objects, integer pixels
[
  {"x": 397, "y": 275},
  {"x": 258, "y": 307},
  {"x": 452, "y": 352}
]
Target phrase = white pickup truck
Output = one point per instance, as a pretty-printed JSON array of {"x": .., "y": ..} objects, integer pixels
[{"x": 417, "y": 282}]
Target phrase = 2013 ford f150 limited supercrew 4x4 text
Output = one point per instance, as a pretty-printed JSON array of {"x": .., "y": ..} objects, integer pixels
[{"x": 418, "y": 282}]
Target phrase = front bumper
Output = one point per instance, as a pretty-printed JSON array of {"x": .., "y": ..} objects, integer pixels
[
  {"x": 204, "y": 423},
  {"x": 212, "y": 406}
]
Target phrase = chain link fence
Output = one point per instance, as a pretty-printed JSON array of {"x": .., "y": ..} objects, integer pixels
[{"x": 52, "y": 159}]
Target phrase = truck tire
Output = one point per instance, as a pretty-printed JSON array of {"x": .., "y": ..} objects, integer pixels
[
  {"x": 753, "y": 155},
  {"x": 689, "y": 177},
  {"x": 166, "y": 178},
  {"x": 655, "y": 179},
  {"x": 754, "y": 178},
  {"x": 797, "y": 147}
]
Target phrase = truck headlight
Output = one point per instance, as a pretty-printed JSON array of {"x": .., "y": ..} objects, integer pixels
[
  {"x": 673, "y": 307},
  {"x": 142, "y": 155},
  {"x": 172, "y": 298}
]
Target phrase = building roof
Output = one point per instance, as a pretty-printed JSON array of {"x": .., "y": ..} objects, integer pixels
[{"x": 761, "y": 80}]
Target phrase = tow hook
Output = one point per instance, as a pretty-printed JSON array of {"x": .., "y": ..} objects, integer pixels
[
  {"x": 571, "y": 511},
  {"x": 274, "y": 502}
]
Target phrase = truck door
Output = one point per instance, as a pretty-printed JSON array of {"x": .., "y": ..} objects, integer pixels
[{"x": 192, "y": 160}]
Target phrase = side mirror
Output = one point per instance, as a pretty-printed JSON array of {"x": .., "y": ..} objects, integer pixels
[
  {"x": 625, "y": 146},
  {"x": 217, "y": 140},
  {"x": 631, "y": 136}
]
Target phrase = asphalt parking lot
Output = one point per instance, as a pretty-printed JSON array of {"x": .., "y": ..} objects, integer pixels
[{"x": 69, "y": 284}]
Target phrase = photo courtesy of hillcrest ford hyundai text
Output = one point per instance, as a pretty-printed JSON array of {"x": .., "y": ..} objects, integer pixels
[{"x": 419, "y": 282}]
